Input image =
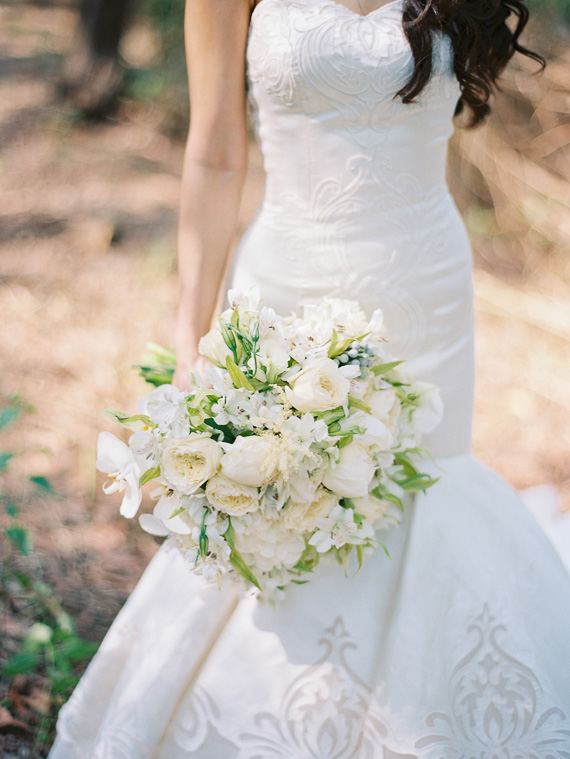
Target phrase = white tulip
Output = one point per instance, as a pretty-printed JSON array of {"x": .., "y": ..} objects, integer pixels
[
  {"x": 117, "y": 460},
  {"x": 352, "y": 473},
  {"x": 213, "y": 347},
  {"x": 319, "y": 386},
  {"x": 188, "y": 462}
]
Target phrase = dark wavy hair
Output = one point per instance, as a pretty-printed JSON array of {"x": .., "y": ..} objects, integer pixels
[{"x": 482, "y": 43}]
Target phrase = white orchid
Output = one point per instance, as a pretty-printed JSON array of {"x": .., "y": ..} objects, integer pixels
[{"x": 116, "y": 459}]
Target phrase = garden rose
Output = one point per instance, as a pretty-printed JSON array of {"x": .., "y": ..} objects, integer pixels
[
  {"x": 319, "y": 386},
  {"x": 231, "y": 497},
  {"x": 188, "y": 462},
  {"x": 302, "y": 517},
  {"x": 251, "y": 460}
]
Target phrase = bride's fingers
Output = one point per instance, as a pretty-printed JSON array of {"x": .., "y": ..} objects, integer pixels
[{"x": 181, "y": 378}]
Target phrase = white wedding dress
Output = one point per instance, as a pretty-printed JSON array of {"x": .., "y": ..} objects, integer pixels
[{"x": 457, "y": 647}]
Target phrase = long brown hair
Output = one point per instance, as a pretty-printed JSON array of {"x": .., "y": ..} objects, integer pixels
[{"x": 482, "y": 44}]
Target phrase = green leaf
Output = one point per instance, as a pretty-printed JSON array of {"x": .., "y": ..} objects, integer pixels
[
  {"x": 22, "y": 663},
  {"x": 5, "y": 457},
  {"x": 417, "y": 482},
  {"x": 331, "y": 416},
  {"x": 162, "y": 355},
  {"x": 340, "y": 347},
  {"x": 357, "y": 403},
  {"x": 76, "y": 649},
  {"x": 381, "y": 492},
  {"x": 239, "y": 564},
  {"x": 155, "y": 375},
  {"x": 237, "y": 376},
  {"x": 332, "y": 346},
  {"x": 42, "y": 483},
  {"x": 135, "y": 422},
  {"x": 9, "y": 414},
  {"x": 149, "y": 475},
  {"x": 20, "y": 537},
  {"x": 345, "y": 440},
  {"x": 384, "y": 368}
]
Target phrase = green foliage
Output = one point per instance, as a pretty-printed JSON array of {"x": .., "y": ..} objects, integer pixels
[
  {"x": 51, "y": 649},
  {"x": 560, "y": 8}
]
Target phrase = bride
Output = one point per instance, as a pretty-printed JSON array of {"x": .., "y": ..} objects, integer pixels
[{"x": 459, "y": 647}]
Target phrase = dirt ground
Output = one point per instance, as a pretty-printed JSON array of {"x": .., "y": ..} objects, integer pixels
[{"x": 87, "y": 252}]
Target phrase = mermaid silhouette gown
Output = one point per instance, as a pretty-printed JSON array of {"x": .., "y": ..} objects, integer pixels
[{"x": 460, "y": 645}]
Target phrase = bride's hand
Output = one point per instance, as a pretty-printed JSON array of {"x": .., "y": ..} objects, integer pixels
[{"x": 193, "y": 362}]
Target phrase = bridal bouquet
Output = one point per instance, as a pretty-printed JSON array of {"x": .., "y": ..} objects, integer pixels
[{"x": 298, "y": 444}]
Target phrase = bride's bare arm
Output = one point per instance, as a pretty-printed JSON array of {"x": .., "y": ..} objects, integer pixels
[{"x": 215, "y": 162}]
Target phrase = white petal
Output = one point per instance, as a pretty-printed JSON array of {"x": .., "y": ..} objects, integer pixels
[{"x": 152, "y": 525}]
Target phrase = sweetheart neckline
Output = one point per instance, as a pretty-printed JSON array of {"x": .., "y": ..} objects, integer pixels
[{"x": 345, "y": 8}]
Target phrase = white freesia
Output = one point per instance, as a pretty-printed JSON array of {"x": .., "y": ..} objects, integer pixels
[
  {"x": 245, "y": 300},
  {"x": 251, "y": 460},
  {"x": 351, "y": 475},
  {"x": 319, "y": 386},
  {"x": 115, "y": 459},
  {"x": 166, "y": 407},
  {"x": 213, "y": 347},
  {"x": 303, "y": 517},
  {"x": 188, "y": 462},
  {"x": 231, "y": 497},
  {"x": 338, "y": 529}
]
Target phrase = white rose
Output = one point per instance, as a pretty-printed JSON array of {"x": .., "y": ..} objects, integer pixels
[
  {"x": 370, "y": 507},
  {"x": 231, "y": 497},
  {"x": 352, "y": 473},
  {"x": 251, "y": 460},
  {"x": 385, "y": 405},
  {"x": 188, "y": 462},
  {"x": 318, "y": 387},
  {"x": 213, "y": 347},
  {"x": 302, "y": 517}
]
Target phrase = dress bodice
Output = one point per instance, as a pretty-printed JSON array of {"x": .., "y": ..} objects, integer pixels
[{"x": 322, "y": 81}]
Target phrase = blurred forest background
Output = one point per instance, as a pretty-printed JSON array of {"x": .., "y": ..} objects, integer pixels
[{"x": 92, "y": 128}]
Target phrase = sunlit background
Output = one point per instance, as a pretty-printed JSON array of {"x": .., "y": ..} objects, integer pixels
[{"x": 92, "y": 128}]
